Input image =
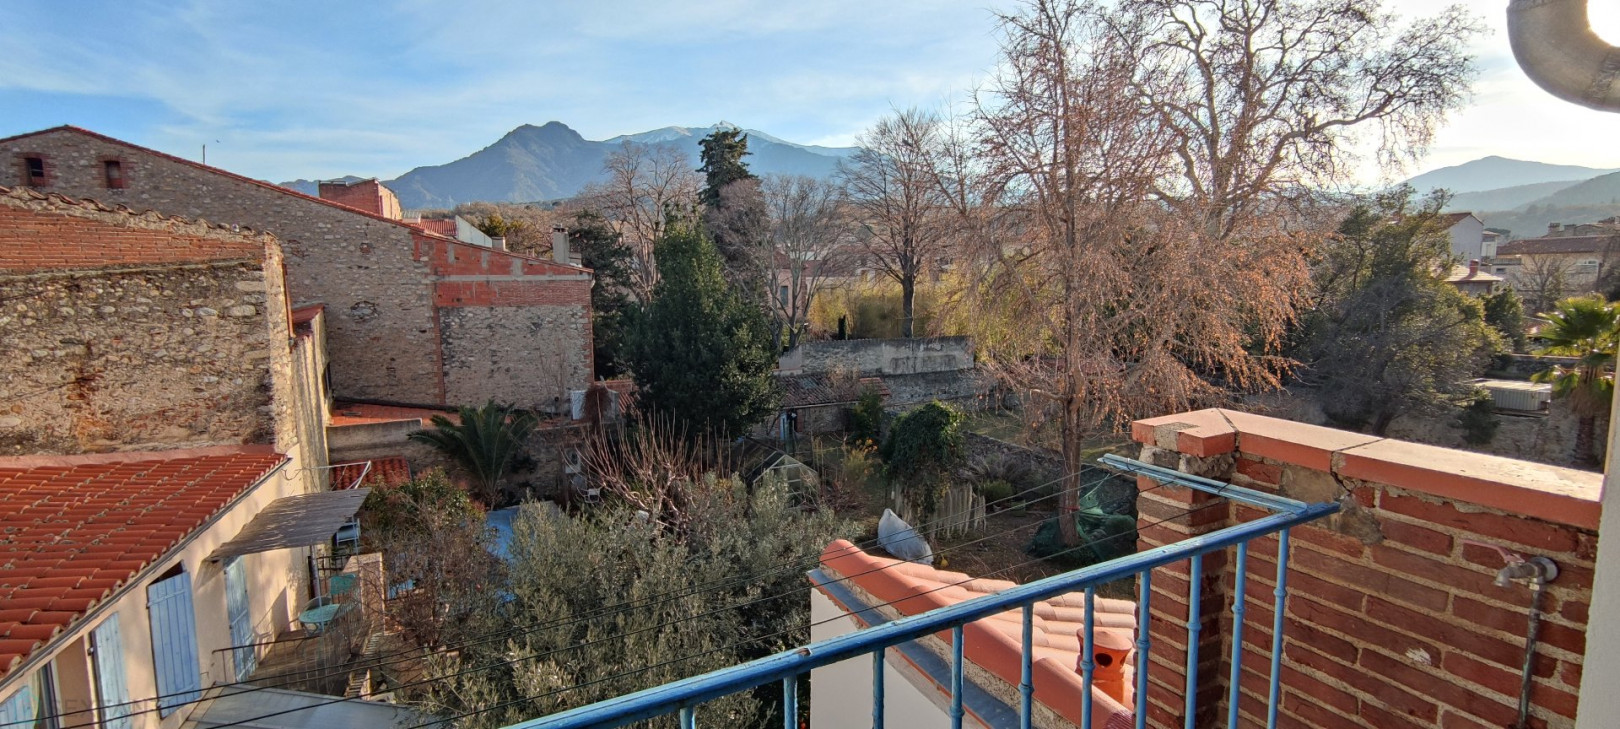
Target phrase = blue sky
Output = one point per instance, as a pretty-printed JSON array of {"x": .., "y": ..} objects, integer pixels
[{"x": 279, "y": 90}]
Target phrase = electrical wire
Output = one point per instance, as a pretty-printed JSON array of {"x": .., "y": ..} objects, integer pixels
[
  {"x": 411, "y": 654},
  {"x": 513, "y": 702},
  {"x": 414, "y": 654},
  {"x": 497, "y": 664}
]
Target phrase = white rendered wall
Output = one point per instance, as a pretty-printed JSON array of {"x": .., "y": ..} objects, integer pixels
[{"x": 1600, "y": 703}]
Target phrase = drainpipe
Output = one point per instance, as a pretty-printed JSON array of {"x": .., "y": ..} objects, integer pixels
[
  {"x": 1555, "y": 46},
  {"x": 1536, "y": 572}
]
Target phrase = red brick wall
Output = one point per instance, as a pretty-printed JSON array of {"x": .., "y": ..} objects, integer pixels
[
  {"x": 34, "y": 240},
  {"x": 367, "y": 195},
  {"x": 1392, "y": 618}
]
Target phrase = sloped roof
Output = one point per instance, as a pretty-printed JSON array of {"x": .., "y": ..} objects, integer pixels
[
  {"x": 995, "y": 643},
  {"x": 75, "y": 529},
  {"x": 1563, "y": 244},
  {"x": 1461, "y": 274},
  {"x": 390, "y": 470},
  {"x": 799, "y": 391}
]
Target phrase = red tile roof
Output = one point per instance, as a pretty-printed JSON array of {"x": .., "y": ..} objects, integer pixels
[
  {"x": 442, "y": 226},
  {"x": 360, "y": 413},
  {"x": 392, "y": 470},
  {"x": 1560, "y": 244},
  {"x": 74, "y": 529},
  {"x": 995, "y": 643}
]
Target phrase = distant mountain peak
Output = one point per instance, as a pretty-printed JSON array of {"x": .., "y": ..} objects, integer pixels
[{"x": 553, "y": 161}]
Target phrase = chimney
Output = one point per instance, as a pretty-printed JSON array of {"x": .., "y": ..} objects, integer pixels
[
  {"x": 559, "y": 244},
  {"x": 1553, "y": 227},
  {"x": 498, "y": 242},
  {"x": 1473, "y": 268}
]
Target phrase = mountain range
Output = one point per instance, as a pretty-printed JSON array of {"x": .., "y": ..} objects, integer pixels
[
  {"x": 552, "y": 161},
  {"x": 1522, "y": 196}
]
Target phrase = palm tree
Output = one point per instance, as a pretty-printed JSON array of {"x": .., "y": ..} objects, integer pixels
[
  {"x": 483, "y": 442},
  {"x": 1586, "y": 328}
]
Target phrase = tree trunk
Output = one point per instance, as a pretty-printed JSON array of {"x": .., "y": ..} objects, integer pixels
[
  {"x": 1585, "y": 439},
  {"x": 1380, "y": 424},
  {"x": 908, "y": 294},
  {"x": 1069, "y": 496}
]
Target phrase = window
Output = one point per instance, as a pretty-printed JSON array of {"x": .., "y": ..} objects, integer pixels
[
  {"x": 174, "y": 642},
  {"x": 107, "y": 665},
  {"x": 34, "y": 171},
  {"x": 112, "y": 172}
]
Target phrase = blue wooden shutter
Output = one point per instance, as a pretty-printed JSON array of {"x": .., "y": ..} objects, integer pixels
[
  {"x": 241, "y": 618},
  {"x": 19, "y": 710},
  {"x": 112, "y": 691},
  {"x": 174, "y": 642}
]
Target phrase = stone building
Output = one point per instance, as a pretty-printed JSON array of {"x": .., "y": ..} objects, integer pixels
[
  {"x": 159, "y": 394},
  {"x": 412, "y": 316}
]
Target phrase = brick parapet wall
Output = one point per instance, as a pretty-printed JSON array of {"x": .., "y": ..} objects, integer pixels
[{"x": 1393, "y": 618}]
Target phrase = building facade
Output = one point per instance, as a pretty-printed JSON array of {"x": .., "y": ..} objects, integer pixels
[
  {"x": 160, "y": 395},
  {"x": 412, "y": 316}
]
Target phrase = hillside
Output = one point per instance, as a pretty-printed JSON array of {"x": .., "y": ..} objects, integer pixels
[
  {"x": 1604, "y": 190},
  {"x": 1495, "y": 173},
  {"x": 553, "y": 161},
  {"x": 1507, "y": 198}
]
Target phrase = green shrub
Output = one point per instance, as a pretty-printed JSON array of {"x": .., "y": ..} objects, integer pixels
[
  {"x": 995, "y": 492},
  {"x": 866, "y": 419},
  {"x": 1478, "y": 419},
  {"x": 923, "y": 448}
]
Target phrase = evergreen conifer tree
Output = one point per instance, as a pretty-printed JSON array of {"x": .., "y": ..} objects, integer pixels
[{"x": 698, "y": 351}]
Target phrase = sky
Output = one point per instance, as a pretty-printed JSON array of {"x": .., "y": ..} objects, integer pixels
[{"x": 299, "y": 89}]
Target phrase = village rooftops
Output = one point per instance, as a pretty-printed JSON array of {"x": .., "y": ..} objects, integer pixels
[
  {"x": 994, "y": 643},
  {"x": 1566, "y": 244},
  {"x": 77, "y": 529}
]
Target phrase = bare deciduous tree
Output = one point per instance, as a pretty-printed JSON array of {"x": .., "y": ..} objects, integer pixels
[
  {"x": 1152, "y": 150},
  {"x": 808, "y": 233},
  {"x": 895, "y": 193},
  {"x": 645, "y": 183},
  {"x": 1269, "y": 96},
  {"x": 1543, "y": 280}
]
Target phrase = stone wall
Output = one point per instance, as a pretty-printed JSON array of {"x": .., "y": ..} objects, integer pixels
[
  {"x": 161, "y": 357},
  {"x": 1392, "y": 616},
  {"x": 873, "y": 357},
  {"x": 379, "y": 278},
  {"x": 528, "y": 356}
]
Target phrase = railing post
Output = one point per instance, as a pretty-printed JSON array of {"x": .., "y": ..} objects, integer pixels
[
  {"x": 1195, "y": 626},
  {"x": 1235, "y": 680},
  {"x": 956, "y": 677},
  {"x": 1144, "y": 644},
  {"x": 688, "y": 717},
  {"x": 1026, "y": 681},
  {"x": 1088, "y": 657},
  {"x": 1279, "y": 609},
  {"x": 790, "y": 702},
  {"x": 877, "y": 688}
]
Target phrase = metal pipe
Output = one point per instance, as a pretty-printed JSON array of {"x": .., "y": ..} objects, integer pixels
[
  {"x": 1195, "y": 593},
  {"x": 1526, "y": 675},
  {"x": 1026, "y": 680},
  {"x": 1554, "y": 44},
  {"x": 1088, "y": 656},
  {"x": 956, "y": 676},
  {"x": 877, "y": 688}
]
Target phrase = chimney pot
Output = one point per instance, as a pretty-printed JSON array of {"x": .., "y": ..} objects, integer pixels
[{"x": 1473, "y": 267}]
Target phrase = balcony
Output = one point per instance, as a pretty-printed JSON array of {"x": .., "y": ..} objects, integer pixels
[{"x": 1392, "y": 565}]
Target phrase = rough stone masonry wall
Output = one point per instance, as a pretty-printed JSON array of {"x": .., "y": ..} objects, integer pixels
[
  {"x": 379, "y": 298},
  {"x": 873, "y": 357},
  {"x": 1392, "y": 617},
  {"x": 529, "y": 355},
  {"x": 150, "y": 358}
]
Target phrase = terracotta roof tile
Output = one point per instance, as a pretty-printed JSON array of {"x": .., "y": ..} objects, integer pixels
[
  {"x": 390, "y": 470},
  {"x": 77, "y": 530},
  {"x": 994, "y": 643}
]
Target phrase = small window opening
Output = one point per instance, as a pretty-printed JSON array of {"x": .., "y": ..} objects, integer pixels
[
  {"x": 113, "y": 172},
  {"x": 34, "y": 168}
]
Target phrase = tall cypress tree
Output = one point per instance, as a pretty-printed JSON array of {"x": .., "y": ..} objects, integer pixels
[
  {"x": 698, "y": 351},
  {"x": 734, "y": 209}
]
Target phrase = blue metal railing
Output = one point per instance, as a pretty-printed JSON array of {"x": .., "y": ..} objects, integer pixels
[{"x": 684, "y": 696}]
